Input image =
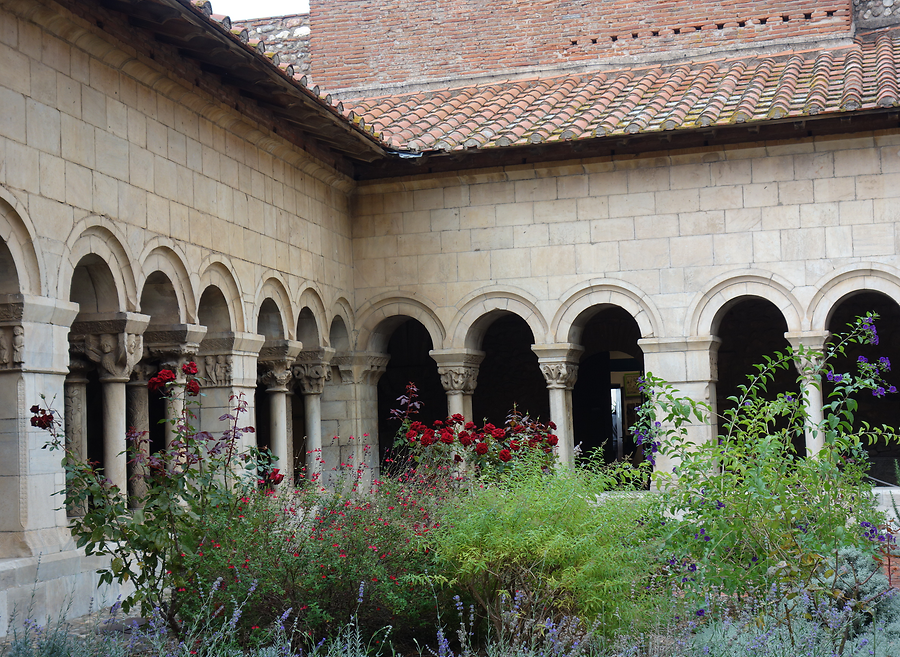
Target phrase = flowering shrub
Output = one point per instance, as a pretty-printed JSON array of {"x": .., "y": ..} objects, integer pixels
[
  {"x": 484, "y": 449},
  {"x": 316, "y": 552},
  {"x": 753, "y": 514},
  {"x": 151, "y": 544}
]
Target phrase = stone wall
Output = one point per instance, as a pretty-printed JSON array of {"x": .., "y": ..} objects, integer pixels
[
  {"x": 286, "y": 35},
  {"x": 666, "y": 233}
]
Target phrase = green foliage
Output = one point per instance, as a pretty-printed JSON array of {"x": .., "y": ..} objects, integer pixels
[
  {"x": 752, "y": 514},
  {"x": 151, "y": 536},
  {"x": 551, "y": 544},
  {"x": 326, "y": 555}
]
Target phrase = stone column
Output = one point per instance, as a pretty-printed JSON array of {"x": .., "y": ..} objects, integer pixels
[
  {"x": 115, "y": 355},
  {"x": 275, "y": 360},
  {"x": 138, "y": 405},
  {"x": 691, "y": 366},
  {"x": 76, "y": 417},
  {"x": 351, "y": 411},
  {"x": 312, "y": 370},
  {"x": 809, "y": 365},
  {"x": 173, "y": 345},
  {"x": 459, "y": 376},
  {"x": 559, "y": 365}
]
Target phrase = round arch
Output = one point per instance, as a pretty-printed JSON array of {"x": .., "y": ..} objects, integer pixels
[
  {"x": 847, "y": 281},
  {"x": 101, "y": 239},
  {"x": 163, "y": 258},
  {"x": 340, "y": 332},
  {"x": 380, "y": 316},
  {"x": 710, "y": 304},
  {"x": 478, "y": 312},
  {"x": 575, "y": 310},
  {"x": 311, "y": 320},
  {"x": 17, "y": 231},
  {"x": 218, "y": 272},
  {"x": 272, "y": 288}
]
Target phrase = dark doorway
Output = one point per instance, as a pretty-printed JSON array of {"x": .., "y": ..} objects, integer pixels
[
  {"x": 877, "y": 411},
  {"x": 408, "y": 347},
  {"x": 605, "y": 397},
  {"x": 509, "y": 374}
]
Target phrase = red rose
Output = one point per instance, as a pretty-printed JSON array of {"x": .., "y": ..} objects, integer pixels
[
  {"x": 192, "y": 388},
  {"x": 514, "y": 445},
  {"x": 189, "y": 368},
  {"x": 456, "y": 418},
  {"x": 505, "y": 455},
  {"x": 499, "y": 434},
  {"x": 552, "y": 439},
  {"x": 447, "y": 437},
  {"x": 470, "y": 426},
  {"x": 159, "y": 381},
  {"x": 552, "y": 425},
  {"x": 411, "y": 434},
  {"x": 465, "y": 439},
  {"x": 427, "y": 438},
  {"x": 481, "y": 449}
]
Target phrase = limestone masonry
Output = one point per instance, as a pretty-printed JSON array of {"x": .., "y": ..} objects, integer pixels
[{"x": 522, "y": 202}]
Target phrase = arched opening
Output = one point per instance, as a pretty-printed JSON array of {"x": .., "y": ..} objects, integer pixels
[
  {"x": 269, "y": 321},
  {"x": 94, "y": 290},
  {"x": 877, "y": 411},
  {"x": 509, "y": 375},
  {"x": 160, "y": 302},
  {"x": 9, "y": 277},
  {"x": 751, "y": 328},
  {"x": 408, "y": 347},
  {"x": 269, "y": 324},
  {"x": 606, "y": 395},
  {"x": 308, "y": 335},
  {"x": 338, "y": 336},
  {"x": 213, "y": 311}
]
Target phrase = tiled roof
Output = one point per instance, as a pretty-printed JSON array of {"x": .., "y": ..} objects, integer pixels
[{"x": 862, "y": 75}]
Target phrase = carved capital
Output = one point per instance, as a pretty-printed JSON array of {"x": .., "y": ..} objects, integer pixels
[
  {"x": 275, "y": 375},
  {"x": 142, "y": 373},
  {"x": 560, "y": 375},
  {"x": 459, "y": 380},
  {"x": 361, "y": 368},
  {"x": 312, "y": 370},
  {"x": 115, "y": 354}
]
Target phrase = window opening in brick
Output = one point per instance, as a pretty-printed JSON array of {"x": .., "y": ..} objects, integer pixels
[
  {"x": 807, "y": 16},
  {"x": 614, "y": 38},
  {"x": 829, "y": 14},
  {"x": 676, "y": 31},
  {"x": 655, "y": 32},
  {"x": 742, "y": 24},
  {"x": 574, "y": 42},
  {"x": 785, "y": 19},
  {"x": 763, "y": 21},
  {"x": 593, "y": 40},
  {"x": 634, "y": 35},
  {"x": 720, "y": 26}
]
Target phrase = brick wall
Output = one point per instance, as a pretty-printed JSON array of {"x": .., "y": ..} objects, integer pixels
[{"x": 359, "y": 43}]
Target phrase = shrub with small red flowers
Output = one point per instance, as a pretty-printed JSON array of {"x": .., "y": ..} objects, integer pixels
[{"x": 150, "y": 533}]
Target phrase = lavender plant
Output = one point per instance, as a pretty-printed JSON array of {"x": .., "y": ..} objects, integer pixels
[{"x": 752, "y": 513}]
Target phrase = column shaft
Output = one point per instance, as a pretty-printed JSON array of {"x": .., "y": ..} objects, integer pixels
[
  {"x": 114, "y": 458},
  {"x": 312, "y": 404},
  {"x": 278, "y": 432}
]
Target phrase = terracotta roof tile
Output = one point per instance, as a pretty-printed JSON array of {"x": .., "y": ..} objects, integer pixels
[{"x": 684, "y": 96}]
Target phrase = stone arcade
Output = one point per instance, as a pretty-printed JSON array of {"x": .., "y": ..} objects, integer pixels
[{"x": 559, "y": 203}]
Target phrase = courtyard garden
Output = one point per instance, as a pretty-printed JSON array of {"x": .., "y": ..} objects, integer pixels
[{"x": 471, "y": 540}]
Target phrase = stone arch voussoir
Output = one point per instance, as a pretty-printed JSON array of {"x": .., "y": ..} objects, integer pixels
[
  {"x": 472, "y": 320},
  {"x": 391, "y": 306},
  {"x": 569, "y": 319},
  {"x": 855, "y": 278},
  {"x": 708, "y": 306}
]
